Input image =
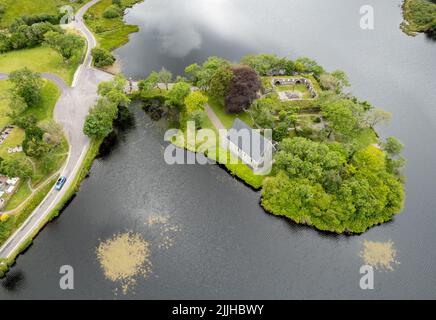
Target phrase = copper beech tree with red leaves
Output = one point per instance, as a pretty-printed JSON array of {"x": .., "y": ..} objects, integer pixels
[{"x": 242, "y": 90}]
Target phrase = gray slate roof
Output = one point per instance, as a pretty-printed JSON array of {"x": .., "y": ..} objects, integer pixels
[{"x": 257, "y": 144}]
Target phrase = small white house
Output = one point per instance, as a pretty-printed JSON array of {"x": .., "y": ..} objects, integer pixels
[{"x": 249, "y": 145}]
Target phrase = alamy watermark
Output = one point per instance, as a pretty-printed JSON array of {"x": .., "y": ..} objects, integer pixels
[
  {"x": 366, "y": 282},
  {"x": 252, "y": 147},
  {"x": 66, "y": 282},
  {"x": 68, "y": 13},
  {"x": 367, "y": 18}
]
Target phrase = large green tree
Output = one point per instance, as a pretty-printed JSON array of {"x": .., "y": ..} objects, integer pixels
[{"x": 27, "y": 85}]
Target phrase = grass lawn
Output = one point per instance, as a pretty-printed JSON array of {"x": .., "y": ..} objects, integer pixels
[
  {"x": 110, "y": 33},
  {"x": 228, "y": 118},
  {"x": 39, "y": 59},
  {"x": 19, "y": 196},
  {"x": 14, "y": 221},
  {"x": 14, "y": 139},
  {"x": 365, "y": 138},
  {"x": 50, "y": 94},
  {"x": 213, "y": 151},
  {"x": 298, "y": 87},
  {"x": 18, "y": 8}
]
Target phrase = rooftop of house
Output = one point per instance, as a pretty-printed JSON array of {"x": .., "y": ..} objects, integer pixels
[{"x": 256, "y": 144}]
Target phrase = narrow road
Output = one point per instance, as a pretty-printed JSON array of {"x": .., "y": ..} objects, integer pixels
[
  {"x": 70, "y": 111},
  {"x": 214, "y": 118}
]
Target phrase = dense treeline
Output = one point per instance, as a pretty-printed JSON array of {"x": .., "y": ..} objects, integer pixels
[
  {"x": 100, "y": 120},
  {"x": 34, "y": 30}
]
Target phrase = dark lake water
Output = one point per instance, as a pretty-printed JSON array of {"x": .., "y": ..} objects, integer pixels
[{"x": 227, "y": 246}]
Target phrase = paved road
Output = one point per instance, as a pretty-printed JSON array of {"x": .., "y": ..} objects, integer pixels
[{"x": 70, "y": 111}]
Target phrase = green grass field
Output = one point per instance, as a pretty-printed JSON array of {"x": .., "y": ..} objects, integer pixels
[
  {"x": 18, "y": 8},
  {"x": 213, "y": 151},
  {"x": 110, "y": 33},
  {"x": 39, "y": 59},
  {"x": 228, "y": 118}
]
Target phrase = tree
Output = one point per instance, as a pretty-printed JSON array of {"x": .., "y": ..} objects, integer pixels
[
  {"x": 206, "y": 72},
  {"x": 376, "y": 116},
  {"x": 68, "y": 45},
  {"x": 52, "y": 132},
  {"x": 17, "y": 105},
  {"x": 341, "y": 118},
  {"x": 5, "y": 43},
  {"x": 34, "y": 147},
  {"x": 27, "y": 85},
  {"x": 16, "y": 168},
  {"x": 392, "y": 146},
  {"x": 149, "y": 83},
  {"x": 102, "y": 57},
  {"x": 111, "y": 12},
  {"x": 306, "y": 65},
  {"x": 114, "y": 90},
  {"x": 195, "y": 102},
  {"x": 302, "y": 158},
  {"x": 243, "y": 89},
  {"x": 395, "y": 162},
  {"x": 165, "y": 77},
  {"x": 176, "y": 96},
  {"x": 268, "y": 64},
  {"x": 261, "y": 113},
  {"x": 334, "y": 81},
  {"x": 193, "y": 71},
  {"x": 220, "y": 81},
  {"x": 99, "y": 122}
]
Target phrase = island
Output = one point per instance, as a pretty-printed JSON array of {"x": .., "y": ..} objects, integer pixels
[
  {"x": 331, "y": 170},
  {"x": 419, "y": 16}
]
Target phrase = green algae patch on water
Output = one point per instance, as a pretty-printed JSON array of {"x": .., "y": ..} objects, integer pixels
[
  {"x": 380, "y": 255},
  {"x": 124, "y": 259},
  {"x": 166, "y": 230}
]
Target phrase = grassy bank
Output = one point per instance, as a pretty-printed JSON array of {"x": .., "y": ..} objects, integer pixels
[
  {"x": 419, "y": 16},
  {"x": 39, "y": 59},
  {"x": 14, "y": 222},
  {"x": 223, "y": 157},
  {"x": 228, "y": 118},
  {"x": 111, "y": 33},
  {"x": 15, "y": 9},
  {"x": 73, "y": 188},
  {"x": 83, "y": 171}
]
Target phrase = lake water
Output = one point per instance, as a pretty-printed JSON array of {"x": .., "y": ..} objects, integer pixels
[{"x": 227, "y": 246}]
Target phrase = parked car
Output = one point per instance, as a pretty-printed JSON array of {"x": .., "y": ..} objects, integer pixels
[{"x": 60, "y": 183}]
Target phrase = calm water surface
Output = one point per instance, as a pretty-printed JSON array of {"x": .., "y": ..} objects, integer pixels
[{"x": 227, "y": 247}]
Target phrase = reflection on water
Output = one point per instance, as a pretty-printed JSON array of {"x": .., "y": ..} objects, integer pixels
[
  {"x": 14, "y": 280},
  {"x": 228, "y": 247}
]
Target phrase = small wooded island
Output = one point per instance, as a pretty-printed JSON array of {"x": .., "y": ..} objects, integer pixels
[
  {"x": 331, "y": 170},
  {"x": 419, "y": 16}
]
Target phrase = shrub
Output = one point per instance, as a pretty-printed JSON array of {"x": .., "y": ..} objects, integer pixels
[
  {"x": 102, "y": 57},
  {"x": 112, "y": 12}
]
